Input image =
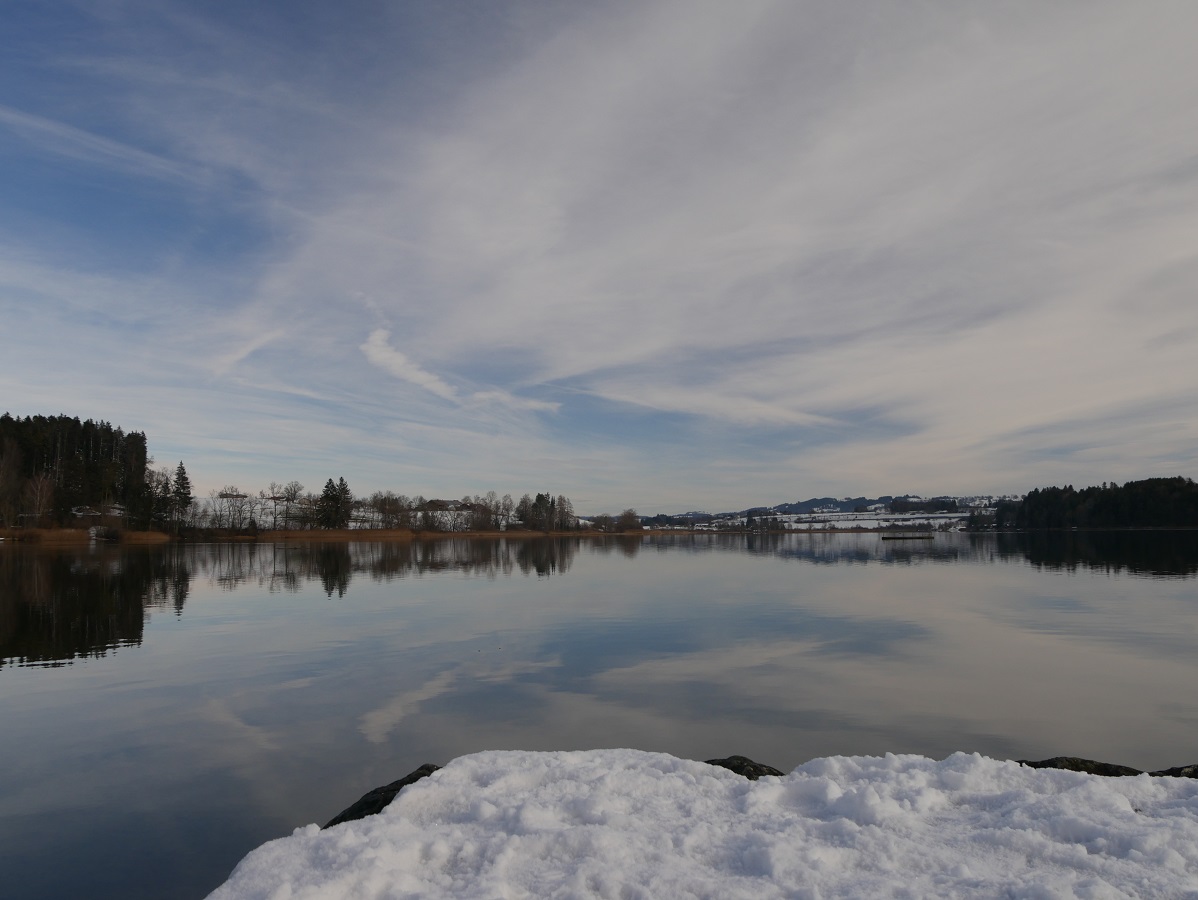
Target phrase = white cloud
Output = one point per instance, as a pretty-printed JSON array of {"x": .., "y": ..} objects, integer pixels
[
  {"x": 503, "y": 398},
  {"x": 379, "y": 351},
  {"x": 949, "y": 246},
  {"x": 387, "y": 358},
  {"x": 227, "y": 360}
]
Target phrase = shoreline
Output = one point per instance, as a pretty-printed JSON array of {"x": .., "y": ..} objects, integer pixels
[
  {"x": 73, "y": 537},
  {"x": 81, "y": 536}
]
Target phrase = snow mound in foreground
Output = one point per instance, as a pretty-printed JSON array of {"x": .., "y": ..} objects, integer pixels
[{"x": 630, "y": 824}]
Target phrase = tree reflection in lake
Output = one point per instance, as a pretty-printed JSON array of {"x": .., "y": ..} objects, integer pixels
[
  {"x": 59, "y": 606},
  {"x": 287, "y": 567},
  {"x": 824, "y": 548},
  {"x": 1157, "y": 554}
]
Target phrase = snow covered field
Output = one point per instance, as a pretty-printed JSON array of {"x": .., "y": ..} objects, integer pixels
[
  {"x": 845, "y": 521},
  {"x": 631, "y": 824}
]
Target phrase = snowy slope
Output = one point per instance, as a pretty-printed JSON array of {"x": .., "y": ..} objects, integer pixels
[{"x": 625, "y": 823}]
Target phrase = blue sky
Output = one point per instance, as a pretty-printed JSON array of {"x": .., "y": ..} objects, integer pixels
[{"x": 669, "y": 254}]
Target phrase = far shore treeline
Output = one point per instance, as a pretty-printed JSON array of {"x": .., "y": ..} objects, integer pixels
[
  {"x": 1151, "y": 503},
  {"x": 56, "y": 471},
  {"x": 53, "y": 466},
  {"x": 60, "y": 472}
]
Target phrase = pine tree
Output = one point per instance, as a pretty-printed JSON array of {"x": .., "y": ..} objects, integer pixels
[
  {"x": 336, "y": 504},
  {"x": 181, "y": 497},
  {"x": 326, "y": 506},
  {"x": 345, "y": 504}
]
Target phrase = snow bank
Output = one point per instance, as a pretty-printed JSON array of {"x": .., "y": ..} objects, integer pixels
[{"x": 630, "y": 824}]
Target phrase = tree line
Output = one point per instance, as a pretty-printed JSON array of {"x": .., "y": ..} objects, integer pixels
[
  {"x": 58, "y": 470},
  {"x": 935, "y": 505},
  {"x": 291, "y": 507},
  {"x": 53, "y": 466},
  {"x": 1150, "y": 503}
]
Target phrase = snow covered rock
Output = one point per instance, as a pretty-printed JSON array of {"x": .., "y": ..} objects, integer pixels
[
  {"x": 626, "y": 823},
  {"x": 375, "y": 801}
]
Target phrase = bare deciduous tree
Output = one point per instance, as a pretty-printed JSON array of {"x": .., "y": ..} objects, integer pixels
[{"x": 39, "y": 494}]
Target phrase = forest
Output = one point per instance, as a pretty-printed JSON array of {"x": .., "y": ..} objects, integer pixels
[
  {"x": 51, "y": 466},
  {"x": 1150, "y": 503}
]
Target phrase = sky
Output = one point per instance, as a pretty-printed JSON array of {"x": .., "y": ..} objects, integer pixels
[{"x": 662, "y": 254}]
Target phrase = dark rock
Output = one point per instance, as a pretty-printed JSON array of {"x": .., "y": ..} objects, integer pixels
[
  {"x": 1077, "y": 764},
  {"x": 376, "y": 801},
  {"x": 1179, "y": 772},
  {"x": 742, "y": 765}
]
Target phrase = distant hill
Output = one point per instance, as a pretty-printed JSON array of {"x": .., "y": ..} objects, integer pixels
[
  {"x": 1150, "y": 503},
  {"x": 887, "y": 502},
  {"x": 828, "y": 504}
]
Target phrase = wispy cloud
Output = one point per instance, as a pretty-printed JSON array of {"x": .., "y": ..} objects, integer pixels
[
  {"x": 503, "y": 398},
  {"x": 387, "y": 358},
  {"x": 226, "y": 360},
  {"x": 66, "y": 140},
  {"x": 379, "y": 351},
  {"x": 889, "y": 247}
]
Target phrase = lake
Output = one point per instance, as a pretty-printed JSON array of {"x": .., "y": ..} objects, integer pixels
[{"x": 165, "y": 710}]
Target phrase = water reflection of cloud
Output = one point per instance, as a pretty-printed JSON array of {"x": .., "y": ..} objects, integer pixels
[
  {"x": 378, "y": 723},
  {"x": 713, "y": 713},
  {"x": 218, "y": 713},
  {"x": 605, "y": 646},
  {"x": 1111, "y": 614}
]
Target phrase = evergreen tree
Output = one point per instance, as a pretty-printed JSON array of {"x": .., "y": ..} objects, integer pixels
[
  {"x": 181, "y": 496},
  {"x": 326, "y": 506},
  {"x": 345, "y": 504},
  {"x": 336, "y": 504}
]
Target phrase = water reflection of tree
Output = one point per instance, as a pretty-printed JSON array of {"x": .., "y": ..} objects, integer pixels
[
  {"x": 332, "y": 564},
  {"x": 290, "y": 566},
  {"x": 1160, "y": 554},
  {"x": 819, "y": 548},
  {"x": 626, "y": 544},
  {"x": 59, "y": 606},
  {"x": 1170, "y": 554},
  {"x": 545, "y": 556},
  {"x": 1153, "y": 553},
  {"x": 488, "y": 558}
]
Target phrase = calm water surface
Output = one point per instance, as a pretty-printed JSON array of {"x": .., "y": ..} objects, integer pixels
[{"x": 164, "y": 711}]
